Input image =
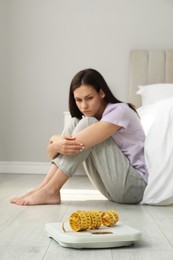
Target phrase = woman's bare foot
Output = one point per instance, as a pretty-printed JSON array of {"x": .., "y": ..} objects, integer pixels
[
  {"x": 48, "y": 177},
  {"x": 48, "y": 194},
  {"x": 39, "y": 197},
  {"x": 13, "y": 200},
  {"x": 31, "y": 191}
]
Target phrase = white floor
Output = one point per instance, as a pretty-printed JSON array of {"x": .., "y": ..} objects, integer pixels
[{"x": 22, "y": 228}]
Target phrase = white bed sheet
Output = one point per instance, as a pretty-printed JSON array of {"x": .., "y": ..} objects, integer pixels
[{"x": 157, "y": 120}]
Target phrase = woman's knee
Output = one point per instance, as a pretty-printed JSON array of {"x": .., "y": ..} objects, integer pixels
[
  {"x": 88, "y": 120},
  {"x": 85, "y": 122},
  {"x": 69, "y": 128}
]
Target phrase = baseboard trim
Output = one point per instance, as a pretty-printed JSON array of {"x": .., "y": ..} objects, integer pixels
[
  {"x": 30, "y": 168},
  {"x": 24, "y": 167}
]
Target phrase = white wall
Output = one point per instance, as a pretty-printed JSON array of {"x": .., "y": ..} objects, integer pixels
[{"x": 45, "y": 42}]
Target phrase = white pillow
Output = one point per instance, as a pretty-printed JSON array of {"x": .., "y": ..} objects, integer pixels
[{"x": 152, "y": 93}]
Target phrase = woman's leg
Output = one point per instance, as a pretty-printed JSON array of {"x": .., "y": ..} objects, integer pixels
[
  {"x": 66, "y": 166},
  {"x": 48, "y": 194},
  {"x": 107, "y": 168},
  {"x": 111, "y": 173},
  {"x": 53, "y": 168},
  {"x": 50, "y": 174}
]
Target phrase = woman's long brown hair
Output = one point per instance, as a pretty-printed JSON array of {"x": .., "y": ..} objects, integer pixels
[{"x": 94, "y": 79}]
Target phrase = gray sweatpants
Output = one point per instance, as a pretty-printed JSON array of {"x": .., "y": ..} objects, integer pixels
[{"x": 107, "y": 168}]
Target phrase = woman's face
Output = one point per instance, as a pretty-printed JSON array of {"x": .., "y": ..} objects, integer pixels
[{"x": 89, "y": 101}]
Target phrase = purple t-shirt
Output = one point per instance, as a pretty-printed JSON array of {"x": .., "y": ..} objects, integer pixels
[{"x": 130, "y": 137}]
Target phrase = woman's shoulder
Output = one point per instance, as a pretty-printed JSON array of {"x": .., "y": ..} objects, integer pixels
[
  {"x": 119, "y": 110},
  {"x": 116, "y": 107}
]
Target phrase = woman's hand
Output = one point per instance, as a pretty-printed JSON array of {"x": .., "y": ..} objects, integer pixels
[{"x": 66, "y": 145}]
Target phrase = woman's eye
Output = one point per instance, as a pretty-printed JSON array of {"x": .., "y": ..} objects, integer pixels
[{"x": 89, "y": 98}]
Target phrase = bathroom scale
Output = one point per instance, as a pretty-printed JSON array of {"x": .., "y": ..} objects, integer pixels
[{"x": 104, "y": 237}]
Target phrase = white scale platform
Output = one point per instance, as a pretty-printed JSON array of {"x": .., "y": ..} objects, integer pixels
[{"x": 115, "y": 236}]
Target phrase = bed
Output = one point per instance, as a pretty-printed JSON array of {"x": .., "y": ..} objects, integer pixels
[{"x": 151, "y": 91}]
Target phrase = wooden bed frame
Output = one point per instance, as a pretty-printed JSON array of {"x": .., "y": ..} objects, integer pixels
[{"x": 148, "y": 67}]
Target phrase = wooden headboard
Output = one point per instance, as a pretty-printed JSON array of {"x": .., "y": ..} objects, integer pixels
[{"x": 148, "y": 67}]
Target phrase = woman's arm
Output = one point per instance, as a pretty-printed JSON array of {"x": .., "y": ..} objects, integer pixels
[
  {"x": 86, "y": 138},
  {"x": 63, "y": 145},
  {"x": 96, "y": 133}
]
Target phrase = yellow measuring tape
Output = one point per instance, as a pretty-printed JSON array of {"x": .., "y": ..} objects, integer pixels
[{"x": 83, "y": 220}]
